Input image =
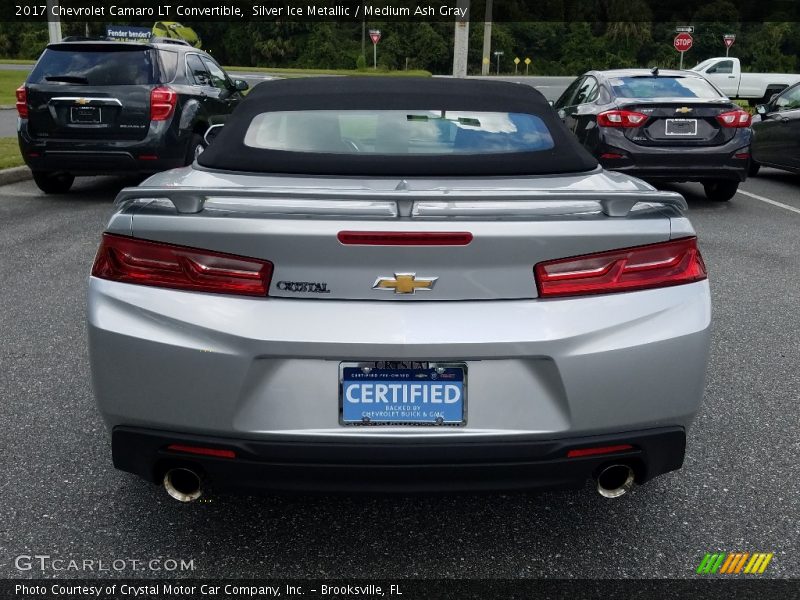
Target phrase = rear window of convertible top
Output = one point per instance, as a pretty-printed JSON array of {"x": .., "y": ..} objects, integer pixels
[{"x": 398, "y": 132}]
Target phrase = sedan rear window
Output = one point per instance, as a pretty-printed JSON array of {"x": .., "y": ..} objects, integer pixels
[
  {"x": 662, "y": 87},
  {"x": 95, "y": 67},
  {"x": 393, "y": 132}
]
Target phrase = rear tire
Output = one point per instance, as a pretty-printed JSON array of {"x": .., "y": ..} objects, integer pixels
[
  {"x": 753, "y": 168},
  {"x": 720, "y": 191},
  {"x": 194, "y": 149},
  {"x": 53, "y": 183}
]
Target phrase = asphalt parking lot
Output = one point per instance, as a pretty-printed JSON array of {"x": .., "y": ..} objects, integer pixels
[{"x": 738, "y": 490}]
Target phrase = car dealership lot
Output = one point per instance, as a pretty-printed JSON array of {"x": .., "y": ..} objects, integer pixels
[{"x": 737, "y": 492}]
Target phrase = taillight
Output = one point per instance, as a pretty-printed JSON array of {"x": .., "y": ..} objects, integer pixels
[
  {"x": 129, "y": 260},
  {"x": 621, "y": 118},
  {"x": 735, "y": 118},
  {"x": 638, "y": 268},
  {"x": 162, "y": 103},
  {"x": 22, "y": 102}
]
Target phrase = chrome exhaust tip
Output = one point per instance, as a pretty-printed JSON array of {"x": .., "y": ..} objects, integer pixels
[
  {"x": 615, "y": 481},
  {"x": 183, "y": 484}
]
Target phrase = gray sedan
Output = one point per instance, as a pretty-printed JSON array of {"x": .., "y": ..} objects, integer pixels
[{"x": 372, "y": 285}]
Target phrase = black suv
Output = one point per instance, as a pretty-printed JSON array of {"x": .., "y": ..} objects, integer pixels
[{"x": 94, "y": 107}]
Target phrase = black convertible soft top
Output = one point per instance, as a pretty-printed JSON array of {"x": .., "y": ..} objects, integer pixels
[{"x": 229, "y": 152}]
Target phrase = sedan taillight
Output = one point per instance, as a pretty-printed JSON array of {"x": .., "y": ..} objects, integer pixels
[
  {"x": 638, "y": 268},
  {"x": 735, "y": 118},
  {"x": 162, "y": 103},
  {"x": 621, "y": 118},
  {"x": 22, "y": 102},
  {"x": 143, "y": 262}
]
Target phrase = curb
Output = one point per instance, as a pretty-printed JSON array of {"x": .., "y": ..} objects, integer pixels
[
  {"x": 7, "y": 106},
  {"x": 14, "y": 175}
]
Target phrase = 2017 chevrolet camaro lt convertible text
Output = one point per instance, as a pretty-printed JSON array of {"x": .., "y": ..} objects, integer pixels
[{"x": 384, "y": 285}]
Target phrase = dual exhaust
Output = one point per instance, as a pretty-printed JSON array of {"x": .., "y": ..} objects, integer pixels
[{"x": 186, "y": 485}]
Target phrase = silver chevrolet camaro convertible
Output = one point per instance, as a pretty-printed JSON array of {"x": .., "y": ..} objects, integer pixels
[{"x": 399, "y": 285}]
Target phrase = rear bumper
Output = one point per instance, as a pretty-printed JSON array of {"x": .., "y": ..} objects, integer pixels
[
  {"x": 160, "y": 150},
  {"x": 676, "y": 163},
  {"x": 677, "y": 173},
  {"x": 401, "y": 466},
  {"x": 261, "y": 375}
]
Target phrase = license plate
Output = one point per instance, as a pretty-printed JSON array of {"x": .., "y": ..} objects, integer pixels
[
  {"x": 681, "y": 127},
  {"x": 415, "y": 394},
  {"x": 84, "y": 114}
]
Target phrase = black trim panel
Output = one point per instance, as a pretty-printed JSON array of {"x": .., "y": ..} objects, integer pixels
[{"x": 403, "y": 466}]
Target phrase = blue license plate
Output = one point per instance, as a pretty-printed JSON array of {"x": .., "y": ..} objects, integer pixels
[{"x": 434, "y": 395}]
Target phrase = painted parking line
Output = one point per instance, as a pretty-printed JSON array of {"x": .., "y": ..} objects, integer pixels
[{"x": 768, "y": 201}]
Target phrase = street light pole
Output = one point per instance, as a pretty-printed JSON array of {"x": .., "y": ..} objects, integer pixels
[
  {"x": 53, "y": 22},
  {"x": 461, "y": 40}
]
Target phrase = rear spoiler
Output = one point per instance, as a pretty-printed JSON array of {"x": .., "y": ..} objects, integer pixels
[{"x": 430, "y": 203}]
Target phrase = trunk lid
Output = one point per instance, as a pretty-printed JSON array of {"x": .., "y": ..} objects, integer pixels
[
  {"x": 296, "y": 223},
  {"x": 678, "y": 122}
]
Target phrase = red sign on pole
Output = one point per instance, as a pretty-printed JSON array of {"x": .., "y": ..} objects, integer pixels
[
  {"x": 728, "y": 38},
  {"x": 375, "y": 36},
  {"x": 682, "y": 42}
]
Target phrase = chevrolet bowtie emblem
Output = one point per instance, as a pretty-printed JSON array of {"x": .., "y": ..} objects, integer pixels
[
  {"x": 82, "y": 101},
  {"x": 683, "y": 110},
  {"x": 404, "y": 283}
]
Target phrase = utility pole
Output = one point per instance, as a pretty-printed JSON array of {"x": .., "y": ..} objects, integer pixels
[
  {"x": 363, "y": 32},
  {"x": 461, "y": 40},
  {"x": 53, "y": 22},
  {"x": 487, "y": 38}
]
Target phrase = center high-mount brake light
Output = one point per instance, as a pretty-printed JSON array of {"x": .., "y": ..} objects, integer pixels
[
  {"x": 638, "y": 268},
  {"x": 22, "y": 102},
  {"x": 129, "y": 260},
  {"x": 162, "y": 103},
  {"x": 404, "y": 238},
  {"x": 735, "y": 118},
  {"x": 621, "y": 118}
]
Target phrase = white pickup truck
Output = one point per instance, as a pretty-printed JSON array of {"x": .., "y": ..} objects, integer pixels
[{"x": 758, "y": 88}]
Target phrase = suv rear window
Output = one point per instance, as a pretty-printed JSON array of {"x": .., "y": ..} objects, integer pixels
[
  {"x": 662, "y": 87},
  {"x": 392, "y": 132},
  {"x": 134, "y": 66}
]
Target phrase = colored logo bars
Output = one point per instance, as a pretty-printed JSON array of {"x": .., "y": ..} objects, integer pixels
[{"x": 729, "y": 563}]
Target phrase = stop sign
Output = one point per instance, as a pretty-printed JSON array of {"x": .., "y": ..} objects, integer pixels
[{"x": 682, "y": 42}]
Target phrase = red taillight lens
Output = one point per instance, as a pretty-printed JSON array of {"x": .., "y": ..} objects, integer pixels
[
  {"x": 637, "y": 268},
  {"x": 621, "y": 118},
  {"x": 405, "y": 238},
  {"x": 735, "y": 118},
  {"x": 202, "y": 451},
  {"x": 22, "y": 102},
  {"x": 598, "y": 450},
  {"x": 129, "y": 260},
  {"x": 162, "y": 103}
]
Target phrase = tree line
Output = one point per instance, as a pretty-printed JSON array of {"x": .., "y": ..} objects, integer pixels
[{"x": 555, "y": 48}]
